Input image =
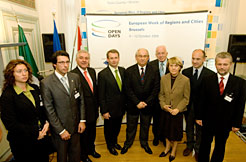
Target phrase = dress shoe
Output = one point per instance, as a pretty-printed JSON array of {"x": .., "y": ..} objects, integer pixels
[
  {"x": 117, "y": 146},
  {"x": 155, "y": 142},
  {"x": 163, "y": 154},
  {"x": 113, "y": 151},
  {"x": 187, "y": 151},
  {"x": 124, "y": 150},
  {"x": 95, "y": 154},
  {"x": 196, "y": 156},
  {"x": 171, "y": 158},
  {"x": 86, "y": 160},
  {"x": 147, "y": 149}
]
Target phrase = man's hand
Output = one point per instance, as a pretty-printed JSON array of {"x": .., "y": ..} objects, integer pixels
[
  {"x": 199, "y": 122},
  {"x": 65, "y": 135},
  {"x": 81, "y": 127},
  {"x": 141, "y": 105},
  {"x": 234, "y": 129},
  {"x": 106, "y": 115}
]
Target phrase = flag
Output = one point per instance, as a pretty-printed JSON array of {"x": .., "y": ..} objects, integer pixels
[
  {"x": 56, "y": 40},
  {"x": 79, "y": 39},
  {"x": 25, "y": 52}
]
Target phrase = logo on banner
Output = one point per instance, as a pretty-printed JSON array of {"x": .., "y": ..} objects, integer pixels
[{"x": 106, "y": 29}]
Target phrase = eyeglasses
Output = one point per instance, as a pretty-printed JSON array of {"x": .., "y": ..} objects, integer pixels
[
  {"x": 63, "y": 62},
  {"x": 20, "y": 71}
]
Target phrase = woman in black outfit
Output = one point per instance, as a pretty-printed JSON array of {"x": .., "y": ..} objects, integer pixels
[{"x": 23, "y": 114}]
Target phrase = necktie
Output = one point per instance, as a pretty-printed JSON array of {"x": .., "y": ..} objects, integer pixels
[
  {"x": 88, "y": 81},
  {"x": 63, "y": 79},
  {"x": 162, "y": 71},
  {"x": 142, "y": 75},
  {"x": 221, "y": 85},
  {"x": 118, "y": 79},
  {"x": 195, "y": 74}
]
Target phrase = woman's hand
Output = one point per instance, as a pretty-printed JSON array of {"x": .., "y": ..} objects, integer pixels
[
  {"x": 174, "y": 111},
  {"x": 43, "y": 132},
  {"x": 167, "y": 108}
]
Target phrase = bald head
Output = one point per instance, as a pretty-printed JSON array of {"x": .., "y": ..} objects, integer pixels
[{"x": 161, "y": 53}]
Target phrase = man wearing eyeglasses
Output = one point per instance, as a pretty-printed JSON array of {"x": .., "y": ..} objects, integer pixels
[
  {"x": 63, "y": 100},
  {"x": 142, "y": 88}
]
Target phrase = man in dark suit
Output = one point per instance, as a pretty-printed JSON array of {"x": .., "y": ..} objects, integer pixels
[
  {"x": 89, "y": 85},
  {"x": 195, "y": 73},
  {"x": 112, "y": 99},
  {"x": 221, "y": 107},
  {"x": 142, "y": 88},
  {"x": 64, "y": 103},
  {"x": 161, "y": 66}
]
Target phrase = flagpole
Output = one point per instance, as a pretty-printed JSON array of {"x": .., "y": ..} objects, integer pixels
[{"x": 74, "y": 41}]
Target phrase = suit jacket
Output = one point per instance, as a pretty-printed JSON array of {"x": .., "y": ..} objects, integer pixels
[
  {"x": 177, "y": 96},
  {"x": 111, "y": 99},
  {"x": 155, "y": 64},
  {"x": 136, "y": 91},
  {"x": 195, "y": 85},
  {"x": 215, "y": 110},
  {"x": 63, "y": 110},
  {"x": 20, "y": 116},
  {"x": 90, "y": 98}
]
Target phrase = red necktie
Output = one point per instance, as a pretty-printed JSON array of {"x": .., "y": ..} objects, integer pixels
[
  {"x": 142, "y": 75},
  {"x": 221, "y": 85},
  {"x": 88, "y": 80}
]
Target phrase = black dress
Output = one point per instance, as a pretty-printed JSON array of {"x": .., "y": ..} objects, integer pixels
[
  {"x": 23, "y": 121},
  {"x": 172, "y": 125}
]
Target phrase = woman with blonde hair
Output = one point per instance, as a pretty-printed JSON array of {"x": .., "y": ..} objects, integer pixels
[{"x": 174, "y": 97}]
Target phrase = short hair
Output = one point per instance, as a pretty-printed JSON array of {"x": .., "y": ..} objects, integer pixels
[
  {"x": 58, "y": 53},
  {"x": 203, "y": 52},
  {"x": 159, "y": 47},
  {"x": 83, "y": 51},
  {"x": 113, "y": 51},
  {"x": 142, "y": 49},
  {"x": 9, "y": 79},
  {"x": 175, "y": 60},
  {"x": 223, "y": 55}
]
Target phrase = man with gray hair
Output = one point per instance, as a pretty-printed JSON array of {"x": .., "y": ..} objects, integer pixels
[
  {"x": 142, "y": 88},
  {"x": 221, "y": 107},
  {"x": 89, "y": 86}
]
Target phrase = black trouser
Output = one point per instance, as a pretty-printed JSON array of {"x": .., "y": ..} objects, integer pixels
[
  {"x": 67, "y": 150},
  {"x": 219, "y": 148},
  {"x": 132, "y": 123},
  {"x": 156, "y": 121},
  {"x": 111, "y": 130},
  {"x": 87, "y": 140},
  {"x": 192, "y": 140}
]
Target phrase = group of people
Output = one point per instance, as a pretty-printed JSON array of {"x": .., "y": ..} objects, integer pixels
[{"x": 67, "y": 105}]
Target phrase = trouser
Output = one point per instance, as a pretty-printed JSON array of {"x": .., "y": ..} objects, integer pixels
[
  {"x": 111, "y": 130},
  {"x": 219, "y": 148},
  {"x": 87, "y": 140},
  {"x": 132, "y": 123}
]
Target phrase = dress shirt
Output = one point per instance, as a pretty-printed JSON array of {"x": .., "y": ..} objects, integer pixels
[
  {"x": 199, "y": 71},
  {"x": 226, "y": 77},
  {"x": 113, "y": 72},
  {"x": 140, "y": 69},
  {"x": 88, "y": 74},
  {"x": 164, "y": 66},
  {"x": 27, "y": 93}
]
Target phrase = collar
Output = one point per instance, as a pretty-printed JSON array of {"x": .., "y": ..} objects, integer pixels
[
  {"x": 82, "y": 70},
  {"x": 59, "y": 75},
  {"x": 18, "y": 90},
  {"x": 199, "y": 69},
  {"x": 164, "y": 62},
  {"x": 225, "y": 76},
  {"x": 139, "y": 68},
  {"x": 112, "y": 68}
]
